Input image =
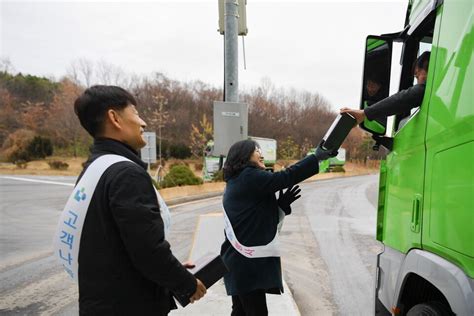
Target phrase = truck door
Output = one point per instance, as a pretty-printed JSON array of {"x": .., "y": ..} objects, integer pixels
[{"x": 405, "y": 177}]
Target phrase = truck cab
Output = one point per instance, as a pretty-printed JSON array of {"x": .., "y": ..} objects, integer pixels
[{"x": 425, "y": 214}]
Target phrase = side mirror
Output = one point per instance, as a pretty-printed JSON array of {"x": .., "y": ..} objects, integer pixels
[{"x": 376, "y": 80}]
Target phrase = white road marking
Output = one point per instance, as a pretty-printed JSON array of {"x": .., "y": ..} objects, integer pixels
[
  {"x": 195, "y": 202},
  {"x": 40, "y": 181},
  {"x": 72, "y": 184}
]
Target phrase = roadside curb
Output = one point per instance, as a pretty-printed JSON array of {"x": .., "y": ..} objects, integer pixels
[
  {"x": 192, "y": 198},
  {"x": 197, "y": 197}
]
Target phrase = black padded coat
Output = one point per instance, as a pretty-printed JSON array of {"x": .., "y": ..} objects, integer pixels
[
  {"x": 251, "y": 205},
  {"x": 126, "y": 266}
]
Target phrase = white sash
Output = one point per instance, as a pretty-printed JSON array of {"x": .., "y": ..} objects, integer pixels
[
  {"x": 68, "y": 234},
  {"x": 164, "y": 212},
  {"x": 272, "y": 249}
]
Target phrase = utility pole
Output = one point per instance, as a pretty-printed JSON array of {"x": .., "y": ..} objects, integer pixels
[
  {"x": 160, "y": 125},
  {"x": 230, "y": 116},
  {"x": 231, "y": 51}
]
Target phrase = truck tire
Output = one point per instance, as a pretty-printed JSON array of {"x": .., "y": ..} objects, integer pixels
[{"x": 430, "y": 309}]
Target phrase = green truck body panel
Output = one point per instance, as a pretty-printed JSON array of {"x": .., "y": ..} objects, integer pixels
[
  {"x": 405, "y": 178},
  {"x": 374, "y": 43},
  {"x": 381, "y": 200},
  {"x": 448, "y": 218},
  {"x": 323, "y": 165},
  {"x": 374, "y": 125},
  {"x": 328, "y": 164},
  {"x": 426, "y": 193}
]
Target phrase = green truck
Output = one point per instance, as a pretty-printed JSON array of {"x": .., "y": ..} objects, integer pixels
[
  {"x": 425, "y": 215},
  {"x": 330, "y": 164}
]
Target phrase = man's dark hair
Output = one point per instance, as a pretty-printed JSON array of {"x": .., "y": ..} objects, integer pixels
[
  {"x": 422, "y": 61},
  {"x": 238, "y": 158},
  {"x": 94, "y": 103}
]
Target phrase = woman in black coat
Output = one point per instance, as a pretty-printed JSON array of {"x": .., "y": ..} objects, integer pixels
[{"x": 253, "y": 211}]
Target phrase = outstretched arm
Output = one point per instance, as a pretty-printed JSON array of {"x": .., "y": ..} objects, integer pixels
[{"x": 398, "y": 103}]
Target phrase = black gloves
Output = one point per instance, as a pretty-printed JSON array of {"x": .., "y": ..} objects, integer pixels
[
  {"x": 285, "y": 199},
  {"x": 322, "y": 154}
]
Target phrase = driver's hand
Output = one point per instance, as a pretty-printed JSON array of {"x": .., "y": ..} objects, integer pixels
[{"x": 359, "y": 115}]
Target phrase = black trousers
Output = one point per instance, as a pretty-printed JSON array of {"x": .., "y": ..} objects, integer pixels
[{"x": 250, "y": 304}]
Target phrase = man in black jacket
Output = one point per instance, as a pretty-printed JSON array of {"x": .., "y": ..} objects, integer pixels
[
  {"x": 126, "y": 266},
  {"x": 400, "y": 102}
]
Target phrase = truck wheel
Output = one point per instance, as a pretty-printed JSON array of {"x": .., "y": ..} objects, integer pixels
[{"x": 429, "y": 309}]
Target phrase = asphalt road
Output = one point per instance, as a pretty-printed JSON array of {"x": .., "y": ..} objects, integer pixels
[{"x": 328, "y": 246}]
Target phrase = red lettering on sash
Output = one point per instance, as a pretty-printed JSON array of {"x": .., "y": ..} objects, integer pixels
[
  {"x": 237, "y": 245},
  {"x": 249, "y": 251}
]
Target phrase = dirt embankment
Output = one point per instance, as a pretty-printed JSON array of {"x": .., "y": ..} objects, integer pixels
[{"x": 42, "y": 168}]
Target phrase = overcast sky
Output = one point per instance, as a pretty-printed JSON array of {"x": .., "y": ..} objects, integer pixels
[{"x": 307, "y": 45}]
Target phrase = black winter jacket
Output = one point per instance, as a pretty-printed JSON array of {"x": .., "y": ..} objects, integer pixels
[
  {"x": 251, "y": 205},
  {"x": 398, "y": 103},
  {"x": 126, "y": 267}
]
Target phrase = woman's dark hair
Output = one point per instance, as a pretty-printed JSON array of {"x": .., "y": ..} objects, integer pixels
[
  {"x": 92, "y": 105},
  {"x": 238, "y": 158}
]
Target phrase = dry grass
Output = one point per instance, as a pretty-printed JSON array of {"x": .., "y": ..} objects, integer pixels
[
  {"x": 41, "y": 167},
  {"x": 352, "y": 169},
  {"x": 191, "y": 190},
  {"x": 193, "y": 164}
]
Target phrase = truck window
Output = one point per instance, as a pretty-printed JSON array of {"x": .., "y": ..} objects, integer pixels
[{"x": 416, "y": 44}]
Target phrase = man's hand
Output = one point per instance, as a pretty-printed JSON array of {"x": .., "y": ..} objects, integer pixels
[
  {"x": 285, "y": 199},
  {"x": 359, "y": 115},
  {"x": 188, "y": 265},
  {"x": 200, "y": 292}
]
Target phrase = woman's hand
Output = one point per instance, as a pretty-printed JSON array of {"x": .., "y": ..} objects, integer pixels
[
  {"x": 322, "y": 154},
  {"x": 285, "y": 199}
]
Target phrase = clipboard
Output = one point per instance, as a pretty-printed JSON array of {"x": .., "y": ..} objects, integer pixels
[
  {"x": 209, "y": 269},
  {"x": 338, "y": 132}
]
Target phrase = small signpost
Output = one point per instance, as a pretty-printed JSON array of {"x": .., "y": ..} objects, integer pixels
[{"x": 148, "y": 153}]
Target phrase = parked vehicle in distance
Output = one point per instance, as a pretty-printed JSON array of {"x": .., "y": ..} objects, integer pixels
[{"x": 330, "y": 164}]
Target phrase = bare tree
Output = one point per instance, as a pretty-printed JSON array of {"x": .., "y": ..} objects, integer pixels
[
  {"x": 32, "y": 116},
  {"x": 200, "y": 135},
  {"x": 6, "y": 65},
  {"x": 9, "y": 118},
  {"x": 111, "y": 74},
  {"x": 64, "y": 125},
  {"x": 81, "y": 72},
  {"x": 159, "y": 118}
]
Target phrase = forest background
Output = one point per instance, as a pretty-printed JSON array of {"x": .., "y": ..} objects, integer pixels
[{"x": 37, "y": 117}]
